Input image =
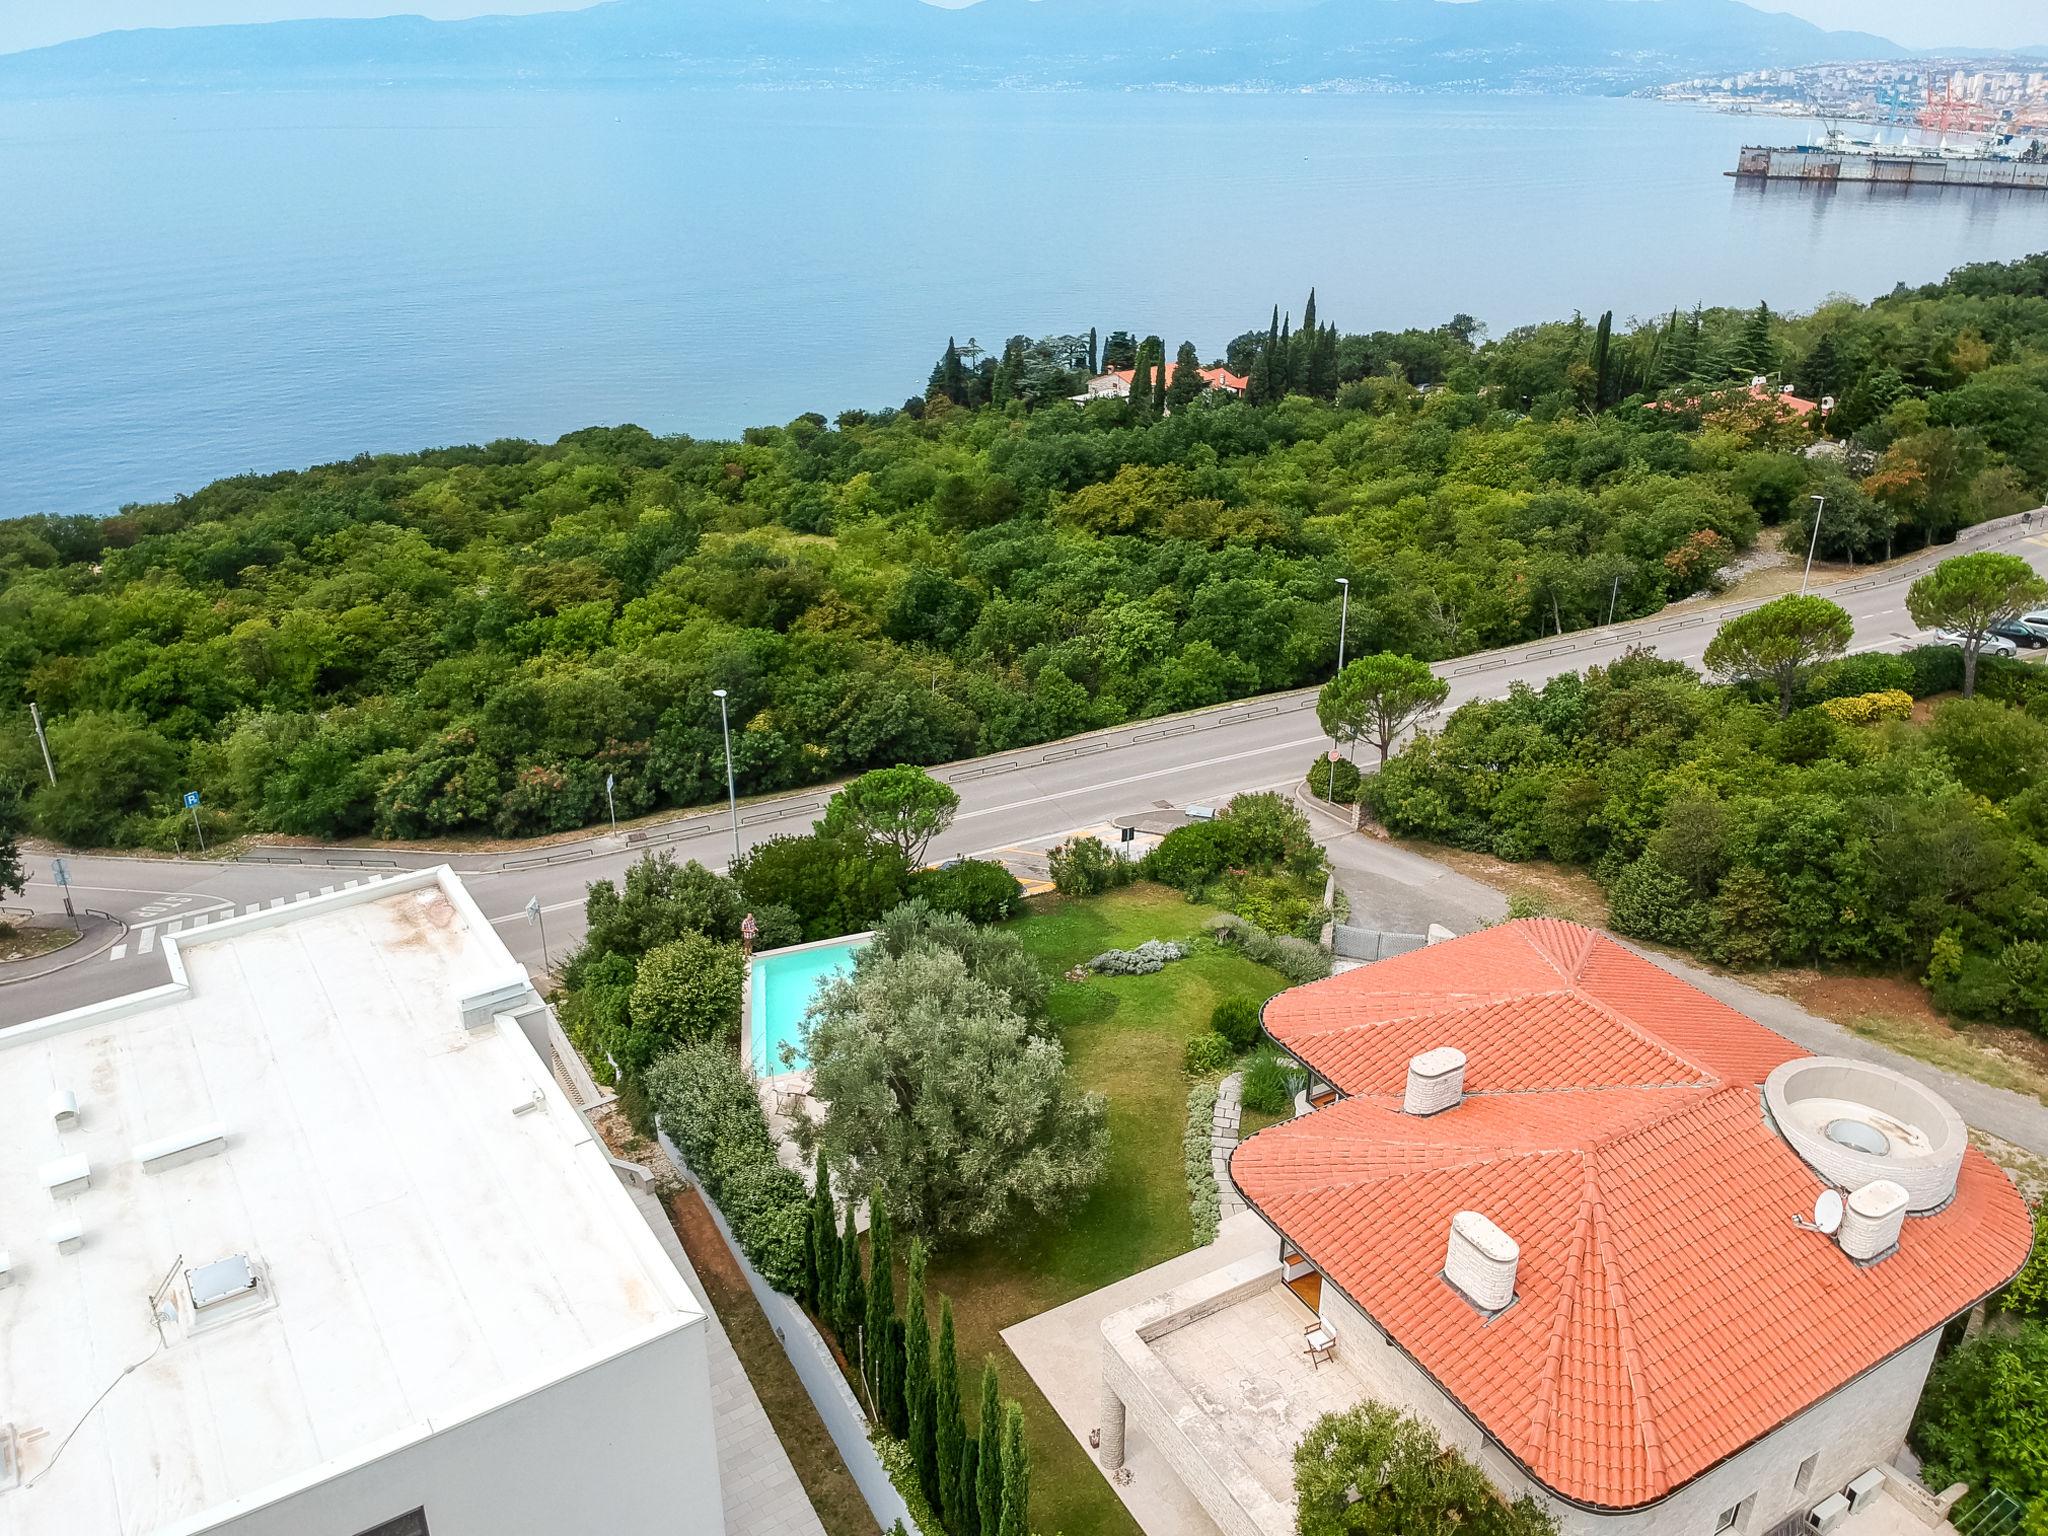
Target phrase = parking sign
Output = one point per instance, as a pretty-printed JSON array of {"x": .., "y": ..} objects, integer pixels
[{"x": 191, "y": 799}]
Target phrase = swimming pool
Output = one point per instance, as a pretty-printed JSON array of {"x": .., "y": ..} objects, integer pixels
[{"x": 779, "y": 993}]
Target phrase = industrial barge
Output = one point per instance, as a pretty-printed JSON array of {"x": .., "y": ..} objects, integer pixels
[{"x": 2002, "y": 163}]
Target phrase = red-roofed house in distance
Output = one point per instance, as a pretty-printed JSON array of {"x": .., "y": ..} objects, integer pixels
[
  {"x": 1636, "y": 1255},
  {"x": 1116, "y": 384}
]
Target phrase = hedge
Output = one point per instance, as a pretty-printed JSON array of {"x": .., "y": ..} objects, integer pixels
[
  {"x": 1869, "y": 708},
  {"x": 707, "y": 1104},
  {"x": 1205, "y": 1208}
]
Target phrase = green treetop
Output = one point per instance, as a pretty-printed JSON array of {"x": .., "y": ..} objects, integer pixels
[
  {"x": 1779, "y": 641},
  {"x": 1970, "y": 596},
  {"x": 1377, "y": 698}
]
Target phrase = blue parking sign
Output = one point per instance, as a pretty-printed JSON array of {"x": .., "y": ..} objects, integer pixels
[{"x": 191, "y": 799}]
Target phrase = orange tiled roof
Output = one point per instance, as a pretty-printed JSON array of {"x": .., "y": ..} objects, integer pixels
[{"x": 1668, "y": 1312}]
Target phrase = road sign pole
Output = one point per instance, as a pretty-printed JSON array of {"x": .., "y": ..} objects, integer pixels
[
  {"x": 611, "y": 804},
  {"x": 192, "y": 805},
  {"x": 36, "y": 719},
  {"x": 61, "y": 873}
]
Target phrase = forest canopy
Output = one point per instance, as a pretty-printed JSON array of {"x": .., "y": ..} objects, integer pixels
[{"x": 471, "y": 640}]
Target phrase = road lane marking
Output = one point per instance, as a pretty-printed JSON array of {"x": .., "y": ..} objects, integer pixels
[
  {"x": 1139, "y": 778},
  {"x": 120, "y": 950},
  {"x": 276, "y": 901},
  {"x": 148, "y": 941}
]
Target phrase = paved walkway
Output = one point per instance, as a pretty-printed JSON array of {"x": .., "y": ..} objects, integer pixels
[
  {"x": 1223, "y": 1128},
  {"x": 763, "y": 1496}
]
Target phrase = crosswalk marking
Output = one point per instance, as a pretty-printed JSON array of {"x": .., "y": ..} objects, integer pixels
[
  {"x": 326, "y": 890},
  {"x": 253, "y": 907},
  {"x": 119, "y": 951},
  {"x": 303, "y": 896},
  {"x": 277, "y": 901},
  {"x": 148, "y": 941}
]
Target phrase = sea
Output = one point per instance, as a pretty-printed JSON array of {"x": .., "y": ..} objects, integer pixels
[{"x": 197, "y": 285}]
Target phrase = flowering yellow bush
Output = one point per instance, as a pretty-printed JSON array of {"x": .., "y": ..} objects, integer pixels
[{"x": 1870, "y": 708}]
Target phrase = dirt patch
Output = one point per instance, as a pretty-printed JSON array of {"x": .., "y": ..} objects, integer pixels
[
  {"x": 33, "y": 943},
  {"x": 832, "y": 1490},
  {"x": 1544, "y": 889},
  {"x": 1772, "y": 569}
]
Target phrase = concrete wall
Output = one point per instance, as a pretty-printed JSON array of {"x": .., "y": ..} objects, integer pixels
[
  {"x": 1859, "y": 1427},
  {"x": 625, "y": 1447},
  {"x": 1822, "y": 166}
]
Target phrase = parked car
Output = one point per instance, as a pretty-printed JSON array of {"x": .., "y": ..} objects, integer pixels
[
  {"x": 2036, "y": 622},
  {"x": 2022, "y": 634},
  {"x": 1994, "y": 644}
]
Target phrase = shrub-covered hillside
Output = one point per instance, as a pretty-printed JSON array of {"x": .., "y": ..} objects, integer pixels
[{"x": 472, "y": 639}]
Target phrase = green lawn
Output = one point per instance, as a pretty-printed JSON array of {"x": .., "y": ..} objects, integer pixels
[{"x": 1124, "y": 1037}]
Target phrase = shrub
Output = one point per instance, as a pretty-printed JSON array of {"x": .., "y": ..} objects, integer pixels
[
  {"x": 977, "y": 889},
  {"x": 1259, "y": 832},
  {"x": 1276, "y": 903},
  {"x": 1087, "y": 866},
  {"x": 834, "y": 884},
  {"x": 1650, "y": 902},
  {"x": 1205, "y": 1053},
  {"x": 1852, "y": 676},
  {"x": 1374, "y": 1468},
  {"x": 1336, "y": 782},
  {"x": 1984, "y": 1416},
  {"x": 686, "y": 991},
  {"x": 1204, "y": 1200},
  {"x": 1296, "y": 959},
  {"x": 1236, "y": 1019},
  {"x": 1270, "y": 1082},
  {"x": 1152, "y": 955},
  {"x": 707, "y": 1105},
  {"x": 2028, "y": 1293},
  {"x": 1870, "y": 708},
  {"x": 1935, "y": 669}
]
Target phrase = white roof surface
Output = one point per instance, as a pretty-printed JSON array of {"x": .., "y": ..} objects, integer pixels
[{"x": 431, "y": 1254}]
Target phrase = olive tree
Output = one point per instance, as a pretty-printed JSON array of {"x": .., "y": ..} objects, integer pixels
[
  {"x": 1971, "y": 596},
  {"x": 904, "y": 808},
  {"x": 1377, "y": 698},
  {"x": 939, "y": 1091},
  {"x": 1778, "y": 641}
]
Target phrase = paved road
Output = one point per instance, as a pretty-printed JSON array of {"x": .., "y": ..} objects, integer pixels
[{"x": 1011, "y": 801}]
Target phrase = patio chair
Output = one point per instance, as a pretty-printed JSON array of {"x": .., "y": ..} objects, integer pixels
[{"x": 1320, "y": 1343}]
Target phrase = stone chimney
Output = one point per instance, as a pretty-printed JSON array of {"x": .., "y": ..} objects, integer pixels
[
  {"x": 1480, "y": 1262},
  {"x": 1872, "y": 1219},
  {"x": 1436, "y": 1081}
]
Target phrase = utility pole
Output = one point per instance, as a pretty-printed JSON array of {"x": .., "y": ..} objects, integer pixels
[
  {"x": 1820, "y": 507},
  {"x": 1343, "y": 632},
  {"x": 611, "y": 804},
  {"x": 732, "y": 794},
  {"x": 1613, "y": 599},
  {"x": 36, "y": 719}
]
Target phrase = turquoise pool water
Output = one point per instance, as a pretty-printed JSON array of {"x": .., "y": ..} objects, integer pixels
[{"x": 780, "y": 993}]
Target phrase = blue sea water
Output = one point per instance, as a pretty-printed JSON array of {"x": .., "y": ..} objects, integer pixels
[{"x": 193, "y": 285}]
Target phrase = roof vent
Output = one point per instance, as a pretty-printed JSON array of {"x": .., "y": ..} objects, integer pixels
[
  {"x": 10, "y": 1459},
  {"x": 480, "y": 1009},
  {"x": 67, "y": 1176},
  {"x": 64, "y": 1109},
  {"x": 187, "y": 1146},
  {"x": 67, "y": 1233},
  {"x": 1480, "y": 1262},
  {"x": 1870, "y": 1225},
  {"x": 1436, "y": 1081},
  {"x": 221, "y": 1283},
  {"x": 6, "y": 1269}
]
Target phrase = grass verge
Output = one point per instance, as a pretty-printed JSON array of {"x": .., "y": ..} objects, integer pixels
[
  {"x": 831, "y": 1488},
  {"x": 32, "y": 943}
]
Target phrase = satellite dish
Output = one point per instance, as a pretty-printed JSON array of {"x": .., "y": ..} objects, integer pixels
[{"x": 1827, "y": 1211}]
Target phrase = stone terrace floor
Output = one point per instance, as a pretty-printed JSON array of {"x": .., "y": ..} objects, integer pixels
[{"x": 1245, "y": 1368}]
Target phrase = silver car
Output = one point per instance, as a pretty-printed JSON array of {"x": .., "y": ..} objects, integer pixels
[{"x": 1994, "y": 645}]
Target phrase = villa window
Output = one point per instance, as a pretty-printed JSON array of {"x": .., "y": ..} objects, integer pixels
[
  {"x": 1803, "y": 1479},
  {"x": 410, "y": 1524},
  {"x": 1734, "y": 1517}
]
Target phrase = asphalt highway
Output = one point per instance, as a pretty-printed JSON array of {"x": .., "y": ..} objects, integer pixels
[{"x": 1015, "y": 800}]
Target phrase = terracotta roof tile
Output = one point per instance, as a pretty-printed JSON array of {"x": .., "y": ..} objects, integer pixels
[{"x": 1668, "y": 1311}]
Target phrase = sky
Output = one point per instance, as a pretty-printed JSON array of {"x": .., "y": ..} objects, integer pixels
[{"x": 32, "y": 23}]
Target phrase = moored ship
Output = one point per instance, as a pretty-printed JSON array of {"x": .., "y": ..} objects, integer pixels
[{"x": 2005, "y": 163}]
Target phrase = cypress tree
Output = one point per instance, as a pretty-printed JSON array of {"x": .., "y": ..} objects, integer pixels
[
  {"x": 895, "y": 1406},
  {"x": 881, "y": 1306},
  {"x": 1322, "y": 363},
  {"x": 850, "y": 1301},
  {"x": 951, "y": 1430},
  {"x": 988, "y": 1475},
  {"x": 1188, "y": 382},
  {"x": 824, "y": 1243},
  {"x": 970, "y": 1466},
  {"x": 1759, "y": 352},
  {"x": 1016, "y": 1516},
  {"x": 1305, "y": 364},
  {"x": 1092, "y": 369},
  {"x": 1158, "y": 350},
  {"x": 1603, "y": 362},
  {"x": 919, "y": 1390},
  {"x": 1283, "y": 360}
]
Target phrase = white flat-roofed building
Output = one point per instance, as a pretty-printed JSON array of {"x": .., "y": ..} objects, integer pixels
[{"x": 344, "y": 1258}]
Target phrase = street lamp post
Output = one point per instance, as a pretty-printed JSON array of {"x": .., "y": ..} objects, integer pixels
[
  {"x": 732, "y": 794},
  {"x": 1343, "y": 621},
  {"x": 1820, "y": 506},
  {"x": 35, "y": 717}
]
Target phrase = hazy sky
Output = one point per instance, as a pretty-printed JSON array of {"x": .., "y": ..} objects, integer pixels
[{"x": 31, "y": 23}]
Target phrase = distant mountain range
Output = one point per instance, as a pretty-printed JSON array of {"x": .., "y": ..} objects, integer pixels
[{"x": 1579, "y": 46}]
